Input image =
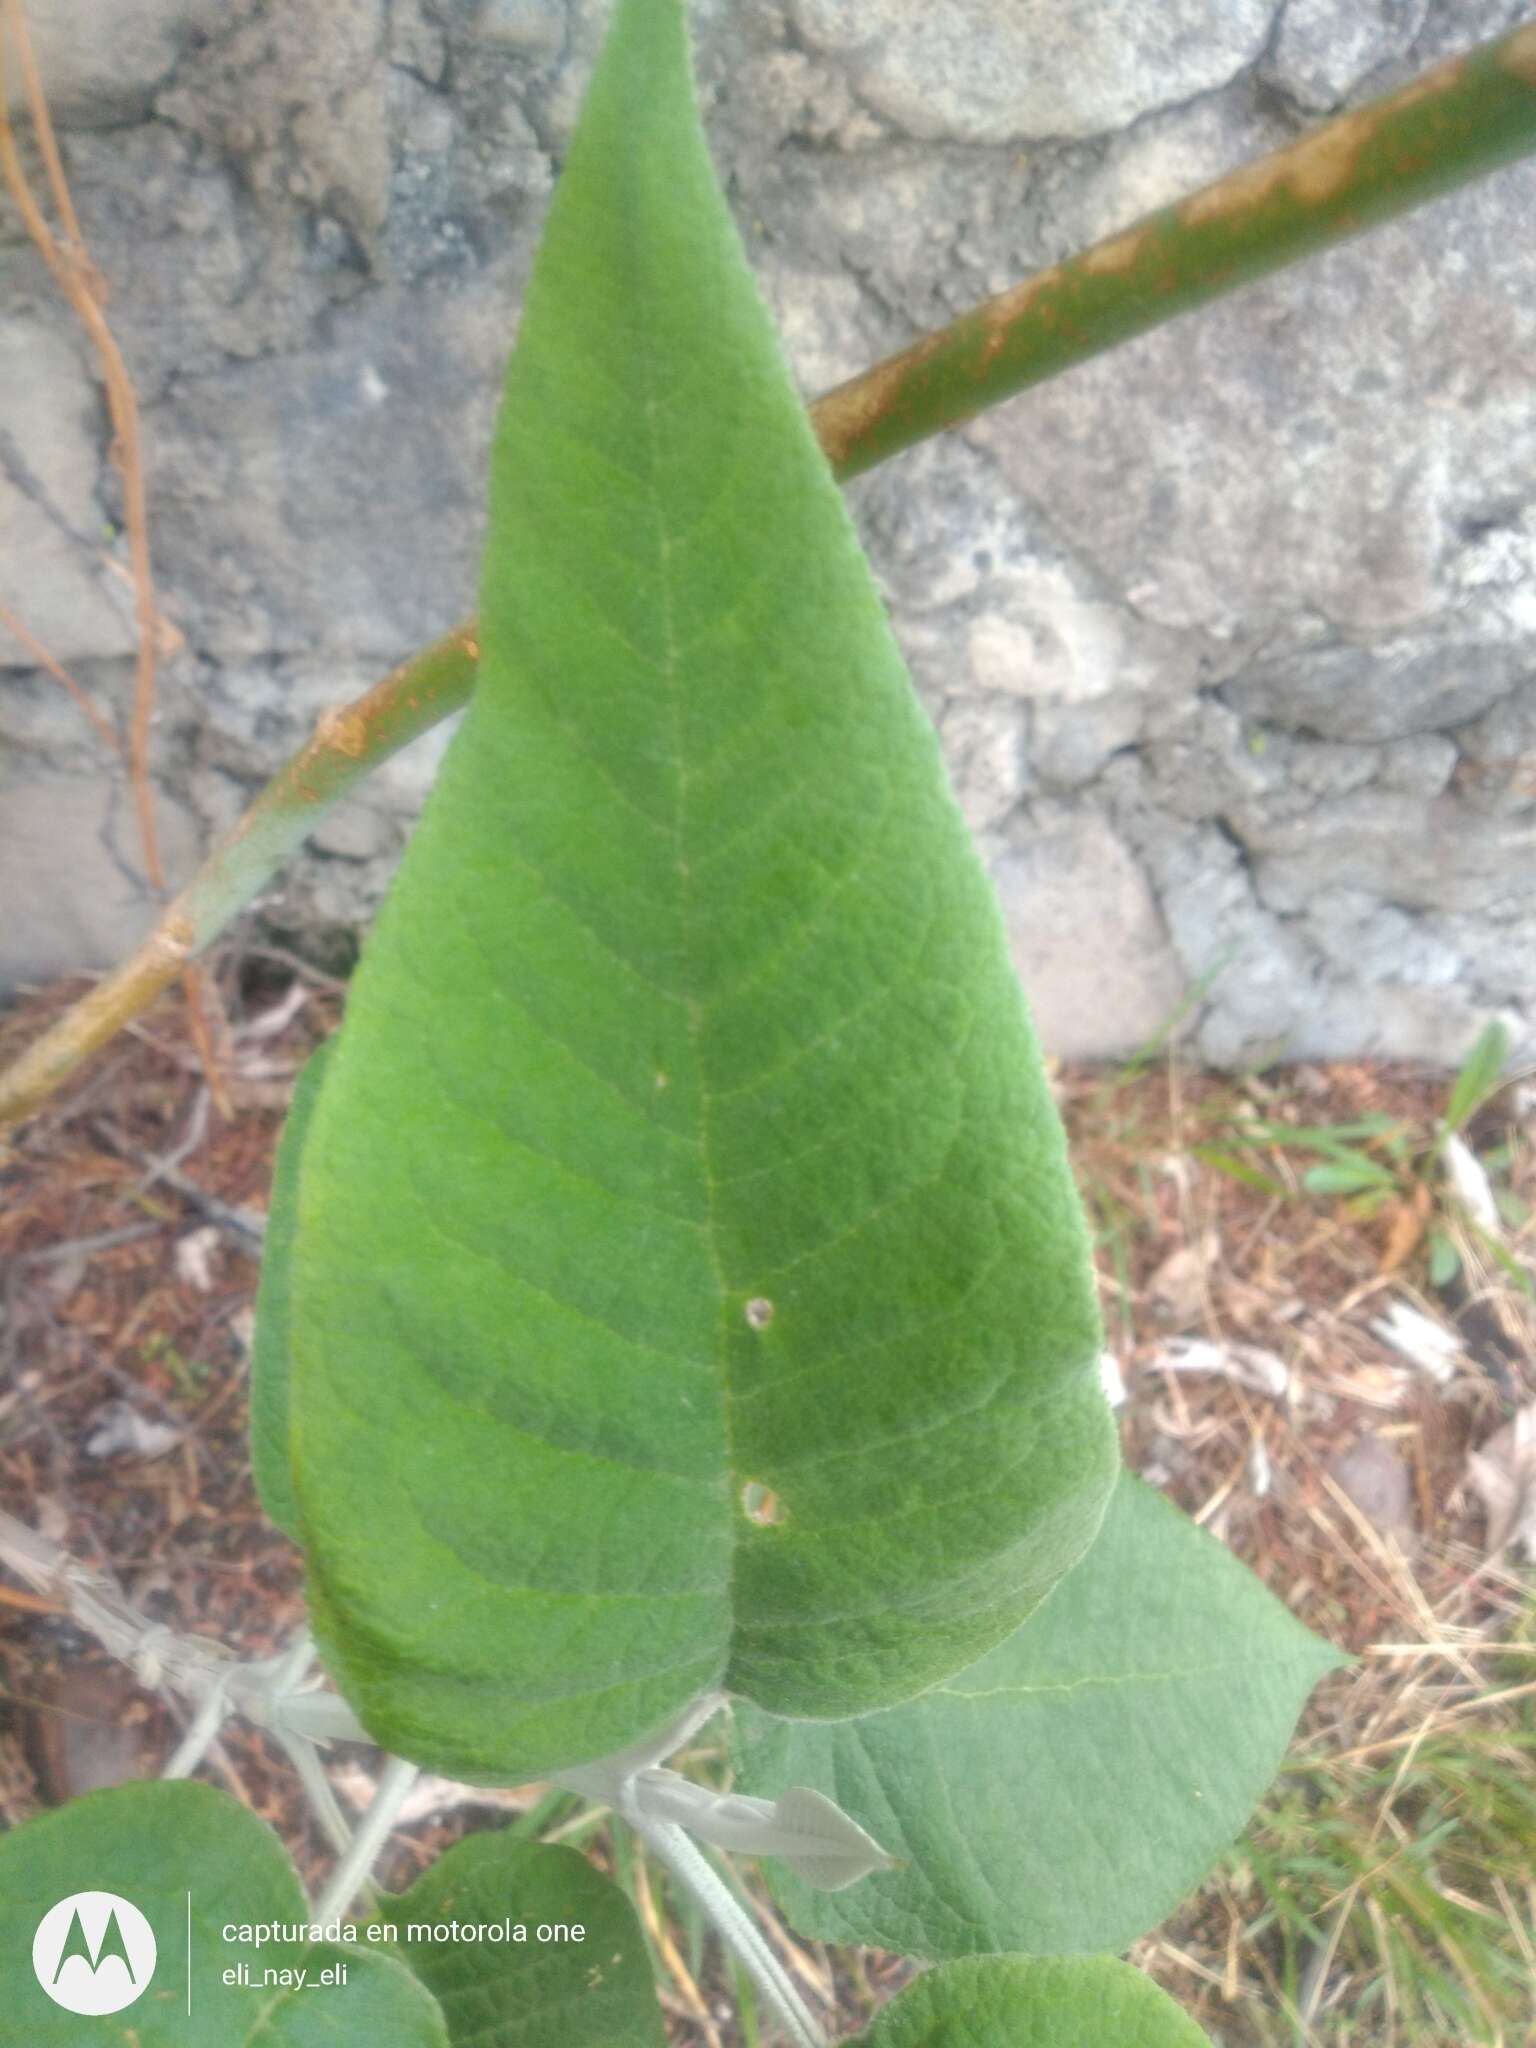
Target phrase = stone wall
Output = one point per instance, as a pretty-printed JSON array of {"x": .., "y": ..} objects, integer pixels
[{"x": 1231, "y": 635}]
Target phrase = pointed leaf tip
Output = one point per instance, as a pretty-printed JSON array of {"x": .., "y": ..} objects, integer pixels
[{"x": 689, "y": 1286}]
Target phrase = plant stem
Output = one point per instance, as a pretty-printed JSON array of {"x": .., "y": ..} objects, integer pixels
[
  {"x": 265, "y": 1690},
  {"x": 1459, "y": 121},
  {"x": 347, "y": 744},
  {"x": 733, "y": 1924},
  {"x": 200, "y": 1736},
  {"x": 351, "y": 1873},
  {"x": 317, "y": 1788},
  {"x": 1468, "y": 116}
]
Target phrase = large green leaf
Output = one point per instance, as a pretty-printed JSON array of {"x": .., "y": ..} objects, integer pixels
[
  {"x": 690, "y": 1286},
  {"x": 593, "y": 1993},
  {"x": 270, "y": 1353},
  {"x": 193, "y": 1862},
  {"x": 1012, "y": 2002},
  {"x": 1069, "y": 1789},
  {"x": 377, "y": 2003}
]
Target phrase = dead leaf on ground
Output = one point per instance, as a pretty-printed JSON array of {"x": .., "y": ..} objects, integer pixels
[
  {"x": 92, "y": 1728},
  {"x": 1406, "y": 1228},
  {"x": 1420, "y": 1339},
  {"x": 1248, "y": 1365},
  {"x": 119, "y": 1426},
  {"x": 194, "y": 1257},
  {"x": 1181, "y": 1282},
  {"x": 1503, "y": 1476},
  {"x": 1468, "y": 1180}
]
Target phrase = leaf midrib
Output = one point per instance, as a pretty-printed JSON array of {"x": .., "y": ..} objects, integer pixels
[
  {"x": 692, "y": 1006},
  {"x": 1104, "y": 1680}
]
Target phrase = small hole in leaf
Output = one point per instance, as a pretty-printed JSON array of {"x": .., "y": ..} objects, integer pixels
[
  {"x": 760, "y": 1504},
  {"x": 759, "y": 1312}
]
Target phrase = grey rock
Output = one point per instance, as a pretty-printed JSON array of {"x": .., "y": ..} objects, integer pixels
[
  {"x": 197, "y": 275},
  {"x": 1491, "y": 564},
  {"x": 90, "y": 909},
  {"x": 333, "y": 499},
  {"x": 534, "y": 28},
  {"x": 353, "y": 831},
  {"x": 1051, "y": 639},
  {"x": 1430, "y": 1026},
  {"x": 1252, "y": 471},
  {"x": 1400, "y": 849},
  {"x": 1205, "y": 762},
  {"x": 968, "y": 567},
  {"x": 101, "y": 63},
  {"x": 1325, "y": 964},
  {"x": 417, "y": 42},
  {"x": 1323, "y": 49},
  {"x": 1492, "y": 955},
  {"x": 1326, "y": 768},
  {"x": 936, "y": 530},
  {"x": 795, "y": 94},
  {"x": 818, "y": 316},
  {"x": 1452, "y": 26},
  {"x": 1087, "y": 938},
  {"x": 41, "y": 722},
  {"x": 969, "y": 71},
  {"x": 1372, "y": 693},
  {"x": 1505, "y": 735},
  {"x": 1230, "y": 637},
  {"x": 298, "y": 100},
  {"x": 54, "y": 546},
  {"x": 1378, "y": 943},
  {"x": 984, "y": 743},
  {"x": 1497, "y": 768},
  {"x": 1258, "y": 978},
  {"x": 1420, "y": 764},
  {"x": 1070, "y": 742},
  {"x": 1157, "y": 160}
]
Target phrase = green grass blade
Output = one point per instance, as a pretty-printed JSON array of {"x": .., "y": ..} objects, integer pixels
[{"x": 1479, "y": 1075}]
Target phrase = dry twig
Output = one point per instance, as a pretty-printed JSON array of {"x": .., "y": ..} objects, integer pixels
[
  {"x": 40, "y": 654},
  {"x": 82, "y": 284}
]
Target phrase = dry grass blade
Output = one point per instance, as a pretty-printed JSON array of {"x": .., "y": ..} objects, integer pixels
[
  {"x": 1381, "y": 1894},
  {"x": 688, "y": 1991},
  {"x": 56, "y": 669},
  {"x": 1503, "y": 1476},
  {"x": 28, "y": 1603}
]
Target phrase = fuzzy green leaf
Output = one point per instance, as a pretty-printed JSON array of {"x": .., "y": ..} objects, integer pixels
[
  {"x": 270, "y": 1351},
  {"x": 1068, "y": 1790},
  {"x": 596, "y": 1992},
  {"x": 1012, "y": 2002},
  {"x": 690, "y": 1288},
  {"x": 162, "y": 1847},
  {"x": 378, "y": 2004}
]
